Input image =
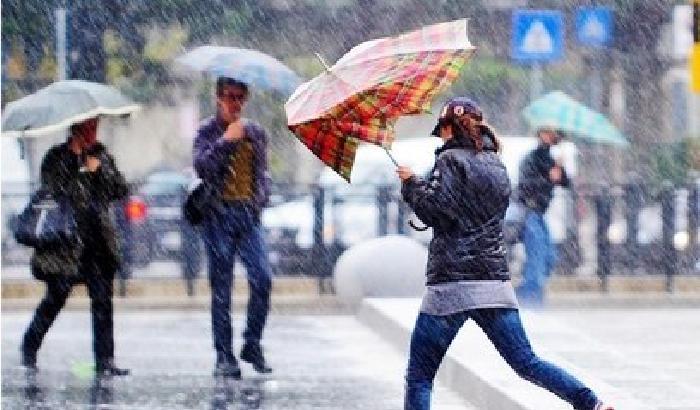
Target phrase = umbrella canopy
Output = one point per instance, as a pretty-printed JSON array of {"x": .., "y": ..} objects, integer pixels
[
  {"x": 362, "y": 95},
  {"x": 61, "y": 105},
  {"x": 558, "y": 110},
  {"x": 249, "y": 66}
]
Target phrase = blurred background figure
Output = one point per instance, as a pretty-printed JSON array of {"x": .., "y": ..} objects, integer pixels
[{"x": 538, "y": 175}]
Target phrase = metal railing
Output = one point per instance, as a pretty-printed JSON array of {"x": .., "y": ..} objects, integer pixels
[{"x": 608, "y": 233}]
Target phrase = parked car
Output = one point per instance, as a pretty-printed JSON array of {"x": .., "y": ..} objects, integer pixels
[
  {"x": 16, "y": 188},
  {"x": 155, "y": 229}
]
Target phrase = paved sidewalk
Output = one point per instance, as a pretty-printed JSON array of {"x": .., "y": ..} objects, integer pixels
[
  {"x": 320, "y": 362},
  {"x": 639, "y": 359}
]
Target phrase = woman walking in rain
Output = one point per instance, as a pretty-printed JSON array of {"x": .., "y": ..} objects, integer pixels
[
  {"x": 464, "y": 201},
  {"x": 82, "y": 172}
]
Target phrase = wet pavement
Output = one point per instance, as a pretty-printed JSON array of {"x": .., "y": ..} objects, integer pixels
[
  {"x": 636, "y": 358},
  {"x": 321, "y": 362}
]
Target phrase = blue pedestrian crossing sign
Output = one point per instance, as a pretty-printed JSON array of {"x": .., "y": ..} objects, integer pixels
[
  {"x": 538, "y": 35},
  {"x": 594, "y": 26}
]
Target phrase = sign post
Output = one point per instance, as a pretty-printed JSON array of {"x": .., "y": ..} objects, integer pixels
[
  {"x": 594, "y": 27},
  {"x": 537, "y": 37},
  {"x": 694, "y": 60}
]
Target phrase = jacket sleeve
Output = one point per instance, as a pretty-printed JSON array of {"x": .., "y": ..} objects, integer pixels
[
  {"x": 211, "y": 155},
  {"x": 109, "y": 182},
  {"x": 434, "y": 200},
  {"x": 533, "y": 177}
]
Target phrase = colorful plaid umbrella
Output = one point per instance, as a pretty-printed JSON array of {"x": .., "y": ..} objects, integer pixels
[
  {"x": 362, "y": 95},
  {"x": 559, "y": 111}
]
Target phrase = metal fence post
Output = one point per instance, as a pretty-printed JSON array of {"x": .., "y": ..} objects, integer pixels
[
  {"x": 401, "y": 217},
  {"x": 668, "y": 260},
  {"x": 127, "y": 245},
  {"x": 693, "y": 221},
  {"x": 383, "y": 198},
  {"x": 319, "y": 253},
  {"x": 603, "y": 204},
  {"x": 633, "y": 206}
]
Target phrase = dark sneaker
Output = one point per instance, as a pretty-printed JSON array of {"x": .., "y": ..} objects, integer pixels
[
  {"x": 108, "y": 369},
  {"x": 603, "y": 406},
  {"x": 227, "y": 370},
  {"x": 253, "y": 354}
]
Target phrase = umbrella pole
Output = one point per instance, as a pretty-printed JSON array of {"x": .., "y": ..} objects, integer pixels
[
  {"x": 391, "y": 156},
  {"x": 323, "y": 62}
]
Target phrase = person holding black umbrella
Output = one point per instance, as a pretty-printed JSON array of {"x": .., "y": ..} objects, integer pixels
[{"x": 83, "y": 173}]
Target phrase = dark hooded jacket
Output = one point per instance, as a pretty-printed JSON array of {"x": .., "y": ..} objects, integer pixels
[
  {"x": 90, "y": 194},
  {"x": 535, "y": 189},
  {"x": 464, "y": 200}
]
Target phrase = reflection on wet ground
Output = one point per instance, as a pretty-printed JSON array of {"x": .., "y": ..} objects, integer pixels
[
  {"x": 320, "y": 362},
  {"x": 99, "y": 393}
]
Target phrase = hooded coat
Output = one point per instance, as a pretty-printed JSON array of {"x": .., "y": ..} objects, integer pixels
[{"x": 464, "y": 200}]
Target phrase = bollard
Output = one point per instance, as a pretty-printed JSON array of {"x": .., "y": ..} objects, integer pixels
[
  {"x": 668, "y": 250},
  {"x": 383, "y": 198},
  {"x": 319, "y": 253},
  {"x": 603, "y": 205}
]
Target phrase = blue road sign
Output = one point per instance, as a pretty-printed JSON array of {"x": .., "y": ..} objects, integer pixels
[
  {"x": 538, "y": 35},
  {"x": 594, "y": 26}
]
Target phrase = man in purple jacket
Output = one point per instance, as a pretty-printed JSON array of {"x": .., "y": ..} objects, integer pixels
[{"x": 230, "y": 155}]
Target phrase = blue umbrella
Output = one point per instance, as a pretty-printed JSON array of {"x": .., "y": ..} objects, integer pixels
[
  {"x": 60, "y": 105},
  {"x": 249, "y": 66},
  {"x": 558, "y": 110}
]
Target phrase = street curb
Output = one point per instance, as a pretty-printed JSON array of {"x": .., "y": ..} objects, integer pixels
[
  {"x": 279, "y": 304},
  {"x": 479, "y": 374},
  {"x": 561, "y": 290},
  {"x": 653, "y": 283},
  {"x": 642, "y": 300},
  {"x": 163, "y": 287}
]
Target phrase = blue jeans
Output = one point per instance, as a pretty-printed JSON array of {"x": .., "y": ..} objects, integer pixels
[
  {"x": 540, "y": 258},
  {"x": 432, "y": 335},
  {"x": 230, "y": 231}
]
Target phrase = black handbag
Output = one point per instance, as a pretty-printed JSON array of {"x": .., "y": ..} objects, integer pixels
[
  {"x": 47, "y": 223},
  {"x": 200, "y": 198},
  {"x": 49, "y": 226}
]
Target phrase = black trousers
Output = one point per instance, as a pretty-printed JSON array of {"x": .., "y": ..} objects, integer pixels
[{"x": 97, "y": 272}]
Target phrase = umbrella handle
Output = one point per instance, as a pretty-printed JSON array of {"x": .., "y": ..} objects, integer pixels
[
  {"x": 391, "y": 156},
  {"x": 416, "y": 227}
]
